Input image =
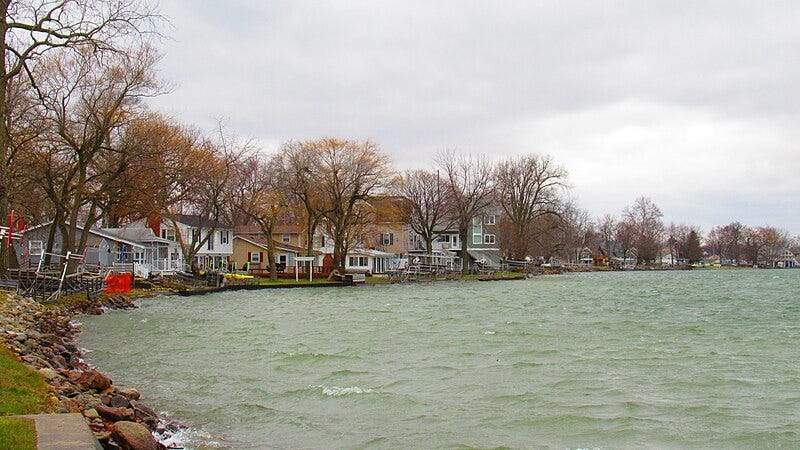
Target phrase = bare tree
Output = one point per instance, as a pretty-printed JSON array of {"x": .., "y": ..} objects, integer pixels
[
  {"x": 349, "y": 172},
  {"x": 86, "y": 101},
  {"x": 645, "y": 217},
  {"x": 31, "y": 28},
  {"x": 208, "y": 194},
  {"x": 606, "y": 229},
  {"x": 469, "y": 185},
  {"x": 528, "y": 187},
  {"x": 257, "y": 192},
  {"x": 426, "y": 204},
  {"x": 302, "y": 178}
]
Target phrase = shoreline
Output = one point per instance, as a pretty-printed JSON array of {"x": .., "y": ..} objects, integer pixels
[{"x": 43, "y": 338}]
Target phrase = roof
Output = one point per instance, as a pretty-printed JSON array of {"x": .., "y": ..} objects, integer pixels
[
  {"x": 97, "y": 232},
  {"x": 136, "y": 234},
  {"x": 196, "y": 221},
  {"x": 370, "y": 252},
  {"x": 262, "y": 242}
]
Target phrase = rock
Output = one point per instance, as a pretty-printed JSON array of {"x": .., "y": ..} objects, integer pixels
[
  {"x": 21, "y": 337},
  {"x": 70, "y": 405},
  {"x": 115, "y": 414},
  {"x": 131, "y": 394},
  {"x": 119, "y": 401},
  {"x": 88, "y": 401},
  {"x": 48, "y": 373},
  {"x": 53, "y": 339},
  {"x": 144, "y": 413},
  {"x": 91, "y": 413},
  {"x": 33, "y": 334},
  {"x": 133, "y": 436},
  {"x": 92, "y": 379}
]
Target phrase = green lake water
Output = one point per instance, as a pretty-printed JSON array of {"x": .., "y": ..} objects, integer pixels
[{"x": 694, "y": 359}]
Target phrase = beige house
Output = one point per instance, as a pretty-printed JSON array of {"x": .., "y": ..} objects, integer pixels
[{"x": 251, "y": 250}]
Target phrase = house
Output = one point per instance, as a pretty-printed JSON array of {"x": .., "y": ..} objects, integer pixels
[
  {"x": 600, "y": 259},
  {"x": 482, "y": 244},
  {"x": 786, "y": 260},
  {"x": 214, "y": 254},
  {"x": 252, "y": 248},
  {"x": 148, "y": 253},
  {"x": 371, "y": 261}
]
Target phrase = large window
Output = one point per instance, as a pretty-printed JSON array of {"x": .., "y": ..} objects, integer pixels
[
  {"x": 387, "y": 239},
  {"x": 210, "y": 243},
  {"x": 168, "y": 233},
  {"x": 224, "y": 237},
  {"x": 488, "y": 239},
  {"x": 477, "y": 230},
  {"x": 358, "y": 261}
]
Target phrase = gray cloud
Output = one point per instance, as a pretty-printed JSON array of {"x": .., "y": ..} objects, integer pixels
[{"x": 635, "y": 98}]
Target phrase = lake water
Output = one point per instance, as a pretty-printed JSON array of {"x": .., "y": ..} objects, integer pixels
[{"x": 694, "y": 359}]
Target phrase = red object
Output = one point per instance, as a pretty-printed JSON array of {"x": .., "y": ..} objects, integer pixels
[{"x": 118, "y": 283}]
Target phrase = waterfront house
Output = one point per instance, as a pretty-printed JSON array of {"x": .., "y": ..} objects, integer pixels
[
  {"x": 214, "y": 254},
  {"x": 105, "y": 248},
  {"x": 250, "y": 250},
  {"x": 483, "y": 245}
]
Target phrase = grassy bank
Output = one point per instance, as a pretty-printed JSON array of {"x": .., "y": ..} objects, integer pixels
[{"x": 22, "y": 391}]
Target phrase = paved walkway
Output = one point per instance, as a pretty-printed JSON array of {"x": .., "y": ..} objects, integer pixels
[{"x": 63, "y": 431}]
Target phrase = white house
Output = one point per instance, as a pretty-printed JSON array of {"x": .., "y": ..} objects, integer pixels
[{"x": 215, "y": 254}]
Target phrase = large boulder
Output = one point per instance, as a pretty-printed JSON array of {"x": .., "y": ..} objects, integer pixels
[
  {"x": 133, "y": 436},
  {"x": 92, "y": 379},
  {"x": 112, "y": 414}
]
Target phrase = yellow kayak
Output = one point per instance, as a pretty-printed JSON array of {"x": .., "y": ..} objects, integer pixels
[{"x": 238, "y": 276}]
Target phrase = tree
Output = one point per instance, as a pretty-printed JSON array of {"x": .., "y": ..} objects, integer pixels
[
  {"x": 425, "y": 208},
  {"x": 528, "y": 187},
  {"x": 349, "y": 173},
  {"x": 625, "y": 235},
  {"x": 469, "y": 185},
  {"x": 606, "y": 230},
  {"x": 31, "y": 28},
  {"x": 693, "y": 249},
  {"x": 645, "y": 218},
  {"x": 207, "y": 195},
  {"x": 86, "y": 101},
  {"x": 577, "y": 230},
  {"x": 301, "y": 176}
]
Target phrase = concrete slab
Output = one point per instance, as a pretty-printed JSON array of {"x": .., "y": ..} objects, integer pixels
[{"x": 63, "y": 431}]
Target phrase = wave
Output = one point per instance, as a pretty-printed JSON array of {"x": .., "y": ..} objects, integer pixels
[{"x": 335, "y": 391}]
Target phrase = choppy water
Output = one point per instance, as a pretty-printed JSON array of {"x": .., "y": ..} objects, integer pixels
[{"x": 699, "y": 359}]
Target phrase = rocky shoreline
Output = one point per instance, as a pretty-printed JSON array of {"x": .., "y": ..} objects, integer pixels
[{"x": 44, "y": 339}]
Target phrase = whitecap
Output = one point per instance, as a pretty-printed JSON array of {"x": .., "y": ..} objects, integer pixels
[
  {"x": 144, "y": 320},
  {"x": 489, "y": 332},
  {"x": 335, "y": 391}
]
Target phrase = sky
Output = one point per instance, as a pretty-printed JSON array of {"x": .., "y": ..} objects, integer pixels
[{"x": 695, "y": 105}]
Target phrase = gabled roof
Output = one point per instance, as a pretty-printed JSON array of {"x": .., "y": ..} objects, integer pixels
[
  {"x": 196, "y": 221},
  {"x": 136, "y": 234},
  {"x": 261, "y": 242},
  {"x": 96, "y": 232}
]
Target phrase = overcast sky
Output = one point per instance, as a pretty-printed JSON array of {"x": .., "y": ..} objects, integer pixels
[{"x": 693, "y": 104}]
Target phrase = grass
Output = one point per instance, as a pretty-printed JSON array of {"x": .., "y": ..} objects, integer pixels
[
  {"x": 268, "y": 281},
  {"x": 17, "y": 434},
  {"x": 22, "y": 391}
]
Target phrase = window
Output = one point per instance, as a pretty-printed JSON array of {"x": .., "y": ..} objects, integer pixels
[
  {"x": 168, "y": 233},
  {"x": 477, "y": 230},
  {"x": 358, "y": 261},
  {"x": 488, "y": 239},
  {"x": 387, "y": 239},
  {"x": 488, "y": 220},
  {"x": 443, "y": 238},
  {"x": 224, "y": 237},
  {"x": 210, "y": 243},
  {"x": 35, "y": 247},
  {"x": 195, "y": 235},
  {"x": 255, "y": 257},
  {"x": 138, "y": 257},
  {"x": 282, "y": 259},
  {"x": 286, "y": 237}
]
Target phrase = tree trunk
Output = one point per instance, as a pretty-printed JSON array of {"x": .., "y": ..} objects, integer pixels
[{"x": 463, "y": 232}]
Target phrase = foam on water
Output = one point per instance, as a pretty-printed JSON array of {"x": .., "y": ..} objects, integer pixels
[{"x": 335, "y": 391}]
